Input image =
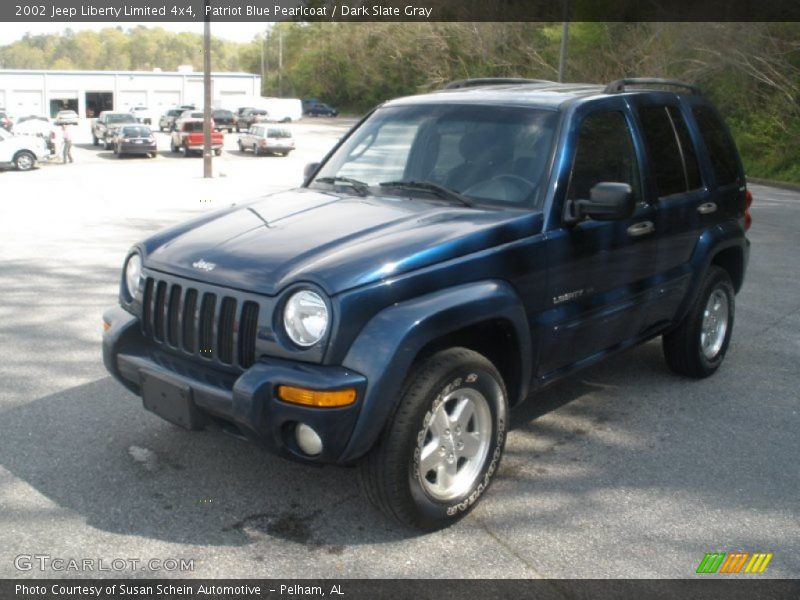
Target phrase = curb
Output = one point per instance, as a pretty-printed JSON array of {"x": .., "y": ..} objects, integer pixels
[{"x": 784, "y": 185}]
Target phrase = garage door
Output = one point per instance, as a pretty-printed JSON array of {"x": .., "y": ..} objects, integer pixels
[
  {"x": 127, "y": 99},
  {"x": 194, "y": 92},
  {"x": 164, "y": 99},
  {"x": 26, "y": 103}
]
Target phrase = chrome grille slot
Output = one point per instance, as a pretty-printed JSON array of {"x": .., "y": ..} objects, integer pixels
[
  {"x": 205, "y": 337},
  {"x": 248, "y": 327},
  {"x": 226, "y": 333}
]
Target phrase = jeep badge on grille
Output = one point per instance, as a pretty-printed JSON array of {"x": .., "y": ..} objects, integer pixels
[{"x": 203, "y": 265}]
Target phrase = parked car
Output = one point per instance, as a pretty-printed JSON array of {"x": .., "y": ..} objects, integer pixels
[
  {"x": 454, "y": 252},
  {"x": 105, "y": 126},
  {"x": 38, "y": 126},
  {"x": 320, "y": 109},
  {"x": 266, "y": 139},
  {"x": 249, "y": 117},
  {"x": 134, "y": 139},
  {"x": 189, "y": 138},
  {"x": 167, "y": 121},
  {"x": 224, "y": 119},
  {"x": 5, "y": 121},
  {"x": 21, "y": 151},
  {"x": 191, "y": 115},
  {"x": 143, "y": 115},
  {"x": 66, "y": 117}
]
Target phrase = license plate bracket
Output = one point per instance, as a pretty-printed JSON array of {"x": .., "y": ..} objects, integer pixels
[{"x": 171, "y": 401}]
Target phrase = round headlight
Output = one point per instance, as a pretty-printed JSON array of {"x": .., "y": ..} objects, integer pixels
[
  {"x": 305, "y": 318},
  {"x": 133, "y": 272}
]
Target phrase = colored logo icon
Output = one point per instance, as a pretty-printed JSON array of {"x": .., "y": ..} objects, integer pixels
[{"x": 734, "y": 562}]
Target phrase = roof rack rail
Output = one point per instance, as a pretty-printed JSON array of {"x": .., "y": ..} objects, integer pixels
[
  {"x": 620, "y": 85},
  {"x": 480, "y": 81}
]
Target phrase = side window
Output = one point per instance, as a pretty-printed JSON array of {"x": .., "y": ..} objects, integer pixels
[
  {"x": 666, "y": 152},
  {"x": 604, "y": 153},
  {"x": 721, "y": 148},
  {"x": 693, "y": 180}
]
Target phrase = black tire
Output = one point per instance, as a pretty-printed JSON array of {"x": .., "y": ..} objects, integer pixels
[
  {"x": 241, "y": 147},
  {"x": 390, "y": 474},
  {"x": 185, "y": 150},
  {"x": 256, "y": 150},
  {"x": 172, "y": 147},
  {"x": 95, "y": 141},
  {"x": 217, "y": 151},
  {"x": 683, "y": 346},
  {"x": 24, "y": 160}
]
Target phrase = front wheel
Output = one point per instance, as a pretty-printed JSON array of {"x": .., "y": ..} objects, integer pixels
[
  {"x": 441, "y": 448},
  {"x": 697, "y": 347}
]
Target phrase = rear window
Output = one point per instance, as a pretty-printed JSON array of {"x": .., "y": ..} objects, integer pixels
[
  {"x": 126, "y": 118},
  {"x": 174, "y": 113},
  {"x": 136, "y": 131},
  {"x": 721, "y": 147},
  {"x": 278, "y": 133},
  {"x": 193, "y": 126},
  {"x": 222, "y": 114}
]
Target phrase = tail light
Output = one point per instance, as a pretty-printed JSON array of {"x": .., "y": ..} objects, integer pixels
[{"x": 748, "y": 218}]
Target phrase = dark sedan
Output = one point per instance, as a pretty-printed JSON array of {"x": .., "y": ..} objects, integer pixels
[
  {"x": 321, "y": 109},
  {"x": 224, "y": 119},
  {"x": 135, "y": 139}
]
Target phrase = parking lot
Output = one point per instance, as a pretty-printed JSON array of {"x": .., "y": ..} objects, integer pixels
[{"x": 623, "y": 470}]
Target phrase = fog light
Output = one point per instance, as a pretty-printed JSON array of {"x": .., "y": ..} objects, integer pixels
[{"x": 308, "y": 439}]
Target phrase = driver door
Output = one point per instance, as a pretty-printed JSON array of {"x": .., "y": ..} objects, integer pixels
[{"x": 598, "y": 270}]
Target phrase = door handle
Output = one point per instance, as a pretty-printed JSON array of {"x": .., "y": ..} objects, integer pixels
[
  {"x": 707, "y": 208},
  {"x": 643, "y": 228}
]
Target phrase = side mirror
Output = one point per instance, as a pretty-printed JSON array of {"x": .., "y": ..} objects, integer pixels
[
  {"x": 309, "y": 171},
  {"x": 608, "y": 201}
]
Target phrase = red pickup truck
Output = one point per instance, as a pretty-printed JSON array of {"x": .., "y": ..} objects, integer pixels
[{"x": 188, "y": 138}]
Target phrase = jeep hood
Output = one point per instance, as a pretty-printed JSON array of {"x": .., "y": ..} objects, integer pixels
[{"x": 335, "y": 241}]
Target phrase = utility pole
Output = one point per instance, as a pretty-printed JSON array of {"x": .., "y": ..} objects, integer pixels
[
  {"x": 207, "y": 174},
  {"x": 562, "y": 58},
  {"x": 280, "y": 63}
]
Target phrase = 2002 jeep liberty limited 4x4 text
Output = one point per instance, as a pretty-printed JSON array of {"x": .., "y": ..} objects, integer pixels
[{"x": 454, "y": 252}]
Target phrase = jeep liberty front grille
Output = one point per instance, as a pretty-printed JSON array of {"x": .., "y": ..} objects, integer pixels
[{"x": 207, "y": 324}]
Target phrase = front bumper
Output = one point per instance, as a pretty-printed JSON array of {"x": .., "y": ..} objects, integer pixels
[{"x": 246, "y": 399}]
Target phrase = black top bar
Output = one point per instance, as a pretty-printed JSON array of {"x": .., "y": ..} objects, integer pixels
[{"x": 619, "y": 86}]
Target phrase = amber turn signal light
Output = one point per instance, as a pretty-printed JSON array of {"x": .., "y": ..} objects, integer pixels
[
  {"x": 305, "y": 397},
  {"x": 106, "y": 325}
]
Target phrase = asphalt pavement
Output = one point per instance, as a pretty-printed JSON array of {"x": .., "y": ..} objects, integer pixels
[{"x": 622, "y": 470}]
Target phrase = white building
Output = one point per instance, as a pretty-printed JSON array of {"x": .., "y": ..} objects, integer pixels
[{"x": 24, "y": 92}]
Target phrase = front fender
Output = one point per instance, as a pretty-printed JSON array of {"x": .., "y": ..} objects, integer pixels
[{"x": 386, "y": 348}]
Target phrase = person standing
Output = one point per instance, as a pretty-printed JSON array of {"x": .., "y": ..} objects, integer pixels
[{"x": 67, "y": 140}]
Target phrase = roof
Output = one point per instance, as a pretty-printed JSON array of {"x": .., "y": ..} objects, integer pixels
[
  {"x": 544, "y": 94},
  {"x": 541, "y": 94}
]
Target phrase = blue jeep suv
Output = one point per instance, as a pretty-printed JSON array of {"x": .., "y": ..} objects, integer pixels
[{"x": 453, "y": 253}]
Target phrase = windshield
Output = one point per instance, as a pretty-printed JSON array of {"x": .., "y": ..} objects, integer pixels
[
  {"x": 494, "y": 154},
  {"x": 126, "y": 118}
]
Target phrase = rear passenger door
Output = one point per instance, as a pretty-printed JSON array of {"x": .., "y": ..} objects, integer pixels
[{"x": 676, "y": 187}]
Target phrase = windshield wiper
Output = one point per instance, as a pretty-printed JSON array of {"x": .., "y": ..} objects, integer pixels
[
  {"x": 429, "y": 186},
  {"x": 360, "y": 186}
]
